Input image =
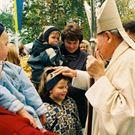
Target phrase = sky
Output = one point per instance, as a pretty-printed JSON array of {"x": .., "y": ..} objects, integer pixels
[{"x": 4, "y": 4}]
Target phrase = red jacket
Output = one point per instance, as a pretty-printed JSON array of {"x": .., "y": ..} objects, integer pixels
[{"x": 12, "y": 124}]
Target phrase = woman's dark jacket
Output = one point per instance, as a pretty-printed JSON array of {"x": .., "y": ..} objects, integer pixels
[{"x": 77, "y": 60}]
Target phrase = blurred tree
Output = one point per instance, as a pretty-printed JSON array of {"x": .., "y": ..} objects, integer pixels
[
  {"x": 38, "y": 13},
  {"x": 7, "y": 20},
  {"x": 126, "y": 9}
]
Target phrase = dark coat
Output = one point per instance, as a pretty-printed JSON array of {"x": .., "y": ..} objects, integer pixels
[
  {"x": 41, "y": 58},
  {"x": 77, "y": 60}
]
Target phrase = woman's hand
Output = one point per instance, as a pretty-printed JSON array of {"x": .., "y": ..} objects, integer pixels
[{"x": 25, "y": 114}]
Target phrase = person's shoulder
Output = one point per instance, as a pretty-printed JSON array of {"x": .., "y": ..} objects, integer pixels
[
  {"x": 69, "y": 100},
  {"x": 12, "y": 65},
  {"x": 131, "y": 54},
  {"x": 83, "y": 53},
  {"x": 36, "y": 42},
  {"x": 128, "y": 55}
]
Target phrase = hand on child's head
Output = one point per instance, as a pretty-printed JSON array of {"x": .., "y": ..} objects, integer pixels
[{"x": 65, "y": 71}]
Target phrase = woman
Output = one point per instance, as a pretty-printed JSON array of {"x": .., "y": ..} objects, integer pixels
[{"x": 75, "y": 59}]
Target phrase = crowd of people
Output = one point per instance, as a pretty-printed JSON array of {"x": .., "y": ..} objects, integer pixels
[{"x": 48, "y": 91}]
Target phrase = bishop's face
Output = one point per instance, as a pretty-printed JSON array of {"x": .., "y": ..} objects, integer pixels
[{"x": 106, "y": 44}]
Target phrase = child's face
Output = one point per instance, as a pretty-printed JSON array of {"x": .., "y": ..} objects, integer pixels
[
  {"x": 83, "y": 47},
  {"x": 59, "y": 91},
  {"x": 71, "y": 46},
  {"x": 54, "y": 38}
]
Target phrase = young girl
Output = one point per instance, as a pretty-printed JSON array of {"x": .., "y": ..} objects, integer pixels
[
  {"x": 24, "y": 56},
  {"x": 13, "y": 55},
  {"x": 62, "y": 115},
  {"x": 45, "y": 52},
  {"x": 85, "y": 46},
  {"x": 19, "y": 58}
]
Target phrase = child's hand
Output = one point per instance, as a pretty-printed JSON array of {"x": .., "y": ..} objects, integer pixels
[{"x": 43, "y": 119}]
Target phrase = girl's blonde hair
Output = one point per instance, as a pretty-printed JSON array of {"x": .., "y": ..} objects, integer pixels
[
  {"x": 87, "y": 43},
  {"x": 44, "y": 78},
  {"x": 13, "y": 55},
  {"x": 48, "y": 80}
]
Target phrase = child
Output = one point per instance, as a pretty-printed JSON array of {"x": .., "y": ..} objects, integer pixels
[
  {"x": 19, "y": 58},
  {"x": 85, "y": 46},
  {"x": 24, "y": 56},
  {"x": 62, "y": 115},
  {"x": 45, "y": 52},
  {"x": 13, "y": 55}
]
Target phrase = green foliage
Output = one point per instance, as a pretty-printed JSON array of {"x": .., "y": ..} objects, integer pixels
[
  {"x": 39, "y": 13},
  {"x": 126, "y": 12},
  {"x": 7, "y": 20}
]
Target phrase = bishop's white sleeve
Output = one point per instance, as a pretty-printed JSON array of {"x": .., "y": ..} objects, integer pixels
[
  {"x": 113, "y": 105},
  {"x": 82, "y": 80}
]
